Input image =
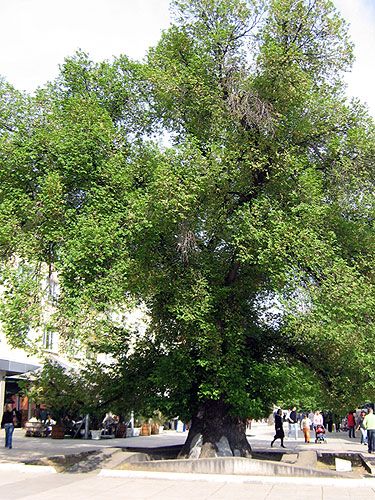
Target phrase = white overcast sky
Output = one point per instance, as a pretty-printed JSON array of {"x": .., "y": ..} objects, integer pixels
[{"x": 36, "y": 36}]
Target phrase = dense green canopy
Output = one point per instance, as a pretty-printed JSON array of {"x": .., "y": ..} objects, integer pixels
[{"x": 225, "y": 184}]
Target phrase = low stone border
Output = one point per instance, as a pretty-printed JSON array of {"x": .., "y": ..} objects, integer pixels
[
  {"x": 368, "y": 464},
  {"x": 34, "y": 469},
  {"x": 228, "y": 465},
  {"x": 228, "y": 478}
]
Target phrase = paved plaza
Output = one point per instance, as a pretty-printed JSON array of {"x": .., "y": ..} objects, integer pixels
[
  {"x": 260, "y": 436},
  {"x": 18, "y": 481},
  {"x": 26, "y": 486}
]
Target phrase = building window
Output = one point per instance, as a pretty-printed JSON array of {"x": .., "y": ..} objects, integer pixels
[
  {"x": 48, "y": 340},
  {"x": 53, "y": 289}
]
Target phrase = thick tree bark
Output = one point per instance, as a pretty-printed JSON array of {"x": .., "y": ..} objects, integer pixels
[{"x": 216, "y": 433}]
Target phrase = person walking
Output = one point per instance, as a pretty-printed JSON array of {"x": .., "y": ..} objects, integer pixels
[
  {"x": 305, "y": 427},
  {"x": 311, "y": 417},
  {"x": 287, "y": 419},
  {"x": 293, "y": 431},
  {"x": 369, "y": 424},
  {"x": 361, "y": 427},
  {"x": 337, "y": 422},
  {"x": 329, "y": 421},
  {"x": 279, "y": 434},
  {"x": 351, "y": 424},
  {"x": 8, "y": 422}
]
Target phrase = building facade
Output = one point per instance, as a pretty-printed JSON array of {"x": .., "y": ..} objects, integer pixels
[{"x": 13, "y": 362}]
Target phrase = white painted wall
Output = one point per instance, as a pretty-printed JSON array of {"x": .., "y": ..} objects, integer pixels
[{"x": 12, "y": 354}]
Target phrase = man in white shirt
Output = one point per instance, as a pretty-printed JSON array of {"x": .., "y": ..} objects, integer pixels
[{"x": 369, "y": 424}]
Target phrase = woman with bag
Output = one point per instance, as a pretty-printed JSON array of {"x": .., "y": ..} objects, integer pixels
[{"x": 8, "y": 422}]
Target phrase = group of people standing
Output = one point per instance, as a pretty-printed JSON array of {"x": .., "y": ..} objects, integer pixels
[
  {"x": 364, "y": 422},
  {"x": 307, "y": 422}
]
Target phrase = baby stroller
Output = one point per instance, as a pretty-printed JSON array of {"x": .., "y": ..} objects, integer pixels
[{"x": 320, "y": 434}]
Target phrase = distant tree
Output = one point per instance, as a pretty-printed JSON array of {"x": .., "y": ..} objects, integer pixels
[
  {"x": 248, "y": 239},
  {"x": 68, "y": 392}
]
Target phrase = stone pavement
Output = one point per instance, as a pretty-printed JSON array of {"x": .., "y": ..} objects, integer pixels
[
  {"x": 28, "y": 486},
  {"x": 28, "y": 448},
  {"x": 21, "y": 482}
]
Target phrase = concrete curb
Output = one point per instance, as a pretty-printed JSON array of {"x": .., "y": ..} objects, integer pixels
[
  {"x": 228, "y": 466},
  {"x": 225, "y": 478},
  {"x": 368, "y": 464},
  {"x": 33, "y": 469}
]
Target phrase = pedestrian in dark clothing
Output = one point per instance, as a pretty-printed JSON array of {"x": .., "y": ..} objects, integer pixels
[
  {"x": 8, "y": 422},
  {"x": 43, "y": 414},
  {"x": 337, "y": 420},
  {"x": 293, "y": 428},
  {"x": 279, "y": 428},
  {"x": 329, "y": 421}
]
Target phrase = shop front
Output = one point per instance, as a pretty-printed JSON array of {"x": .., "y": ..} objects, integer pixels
[{"x": 9, "y": 388}]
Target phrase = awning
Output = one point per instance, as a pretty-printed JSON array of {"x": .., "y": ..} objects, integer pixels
[
  {"x": 15, "y": 367},
  {"x": 30, "y": 372}
]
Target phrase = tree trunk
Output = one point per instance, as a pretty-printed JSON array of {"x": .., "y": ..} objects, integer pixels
[{"x": 216, "y": 433}]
